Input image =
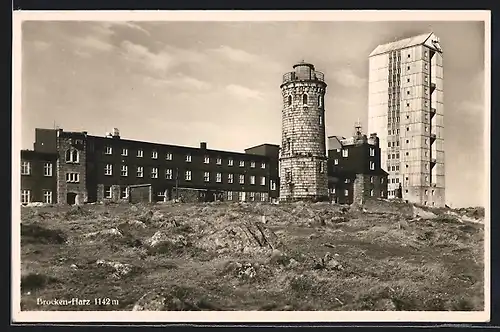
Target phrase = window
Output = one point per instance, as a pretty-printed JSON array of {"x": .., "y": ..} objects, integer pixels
[
  {"x": 407, "y": 104},
  {"x": 381, "y": 193},
  {"x": 262, "y": 180},
  {"x": 154, "y": 154},
  {"x": 289, "y": 102},
  {"x": 407, "y": 141},
  {"x": 26, "y": 168},
  {"x": 207, "y": 160},
  {"x": 372, "y": 152},
  {"x": 426, "y": 179},
  {"x": 124, "y": 192},
  {"x": 346, "y": 192},
  {"x": 240, "y": 196},
  {"x": 219, "y": 161},
  {"x": 108, "y": 150},
  {"x": 25, "y": 196},
  {"x": 252, "y": 196},
  {"x": 263, "y": 165},
  {"x": 407, "y": 128},
  {"x": 140, "y": 153},
  {"x": 335, "y": 161},
  {"x": 242, "y": 163},
  {"x": 408, "y": 92},
  {"x": 72, "y": 177},
  {"x": 124, "y": 152},
  {"x": 168, "y": 174},
  {"x": 425, "y": 54},
  {"x": 154, "y": 173},
  {"x": 371, "y": 179},
  {"x": 229, "y": 195},
  {"x": 124, "y": 170},
  {"x": 168, "y": 156},
  {"x": 408, "y": 56},
  {"x": 426, "y": 78},
  {"x": 262, "y": 197},
  {"x": 393, "y": 168},
  {"x": 426, "y": 192},
  {"x": 347, "y": 181},
  {"x": 345, "y": 153},
  {"x": 187, "y": 175},
  {"x": 432, "y": 193},
  {"x": 206, "y": 177},
  {"x": 218, "y": 177},
  {"x": 407, "y": 80},
  {"x": 230, "y": 162},
  {"x": 371, "y": 192},
  {"x": 252, "y": 179},
  {"x": 273, "y": 185},
  {"x": 140, "y": 171},
  {"x": 372, "y": 165},
  {"x": 72, "y": 156},
  {"x": 242, "y": 179},
  {"x": 252, "y": 164},
  {"x": 230, "y": 178},
  {"x": 188, "y": 158},
  {"x": 47, "y": 196},
  {"x": 108, "y": 169},
  {"x": 425, "y": 203},
  {"x": 425, "y": 66},
  {"x": 381, "y": 180},
  {"x": 408, "y": 68},
  {"x": 406, "y": 166},
  {"x": 107, "y": 192},
  {"x": 304, "y": 99},
  {"x": 320, "y": 119},
  {"x": 47, "y": 169}
]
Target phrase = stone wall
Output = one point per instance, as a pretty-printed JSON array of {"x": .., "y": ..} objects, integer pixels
[
  {"x": 140, "y": 194},
  {"x": 369, "y": 187},
  {"x": 303, "y": 169},
  {"x": 186, "y": 194},
  {"x": 76, "y": 142}
]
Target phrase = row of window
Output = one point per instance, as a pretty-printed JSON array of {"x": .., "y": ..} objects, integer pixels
[
  {"x": 305, "y": 100},
  {"x": 187, "y": 158},
  {"x": 169, "y": 174},
  {"x": 346, "y": 192},
  {"x": 27, "y": 170},
  {"x": 26, "y": 196},
  {"x": 371, "y": 163},
  {"x": 345, "y": 152}
]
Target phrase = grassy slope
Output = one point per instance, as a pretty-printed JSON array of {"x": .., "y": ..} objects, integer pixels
[{"x": 389, "y": 262}]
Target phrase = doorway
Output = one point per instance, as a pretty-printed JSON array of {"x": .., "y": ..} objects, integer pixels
[{"x": 71, "y": 198}]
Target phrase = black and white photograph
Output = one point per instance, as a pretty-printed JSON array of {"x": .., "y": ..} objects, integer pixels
[{"x": 245, "y": 166}]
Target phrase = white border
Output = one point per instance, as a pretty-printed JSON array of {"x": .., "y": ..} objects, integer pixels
[{"x": 235, "y": 316}]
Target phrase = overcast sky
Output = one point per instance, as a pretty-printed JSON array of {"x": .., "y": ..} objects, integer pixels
[{"x": 186, "y": 82}]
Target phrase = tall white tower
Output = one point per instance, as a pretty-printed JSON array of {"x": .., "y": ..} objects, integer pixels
[
  {"x": 303, "y": 172},
  {"x": 406, "y": 111}
]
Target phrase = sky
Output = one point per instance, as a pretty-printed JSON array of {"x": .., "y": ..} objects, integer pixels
[{"x": 186, "y": 82}]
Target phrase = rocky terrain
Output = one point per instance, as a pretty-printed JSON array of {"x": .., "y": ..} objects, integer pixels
[{"x": 252, "y": 256}]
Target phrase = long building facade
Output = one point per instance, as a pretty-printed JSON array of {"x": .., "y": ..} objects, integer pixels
[
  {"x": 71, "y": 167},
  {"x": 406, "y": 111}
]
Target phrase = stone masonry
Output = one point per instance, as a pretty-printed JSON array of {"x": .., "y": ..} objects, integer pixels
[
  {"x": 303, "y": 160},
  {"x": 74, "y": 144}
]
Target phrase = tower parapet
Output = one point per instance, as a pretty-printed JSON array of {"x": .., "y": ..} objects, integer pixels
[{"x": 303, "y": 160}]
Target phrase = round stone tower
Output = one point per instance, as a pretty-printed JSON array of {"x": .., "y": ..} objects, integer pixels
[{"x": 303, "y": 159}]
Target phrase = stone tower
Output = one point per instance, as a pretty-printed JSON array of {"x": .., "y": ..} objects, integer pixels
[{"x": 303, "y": 159}]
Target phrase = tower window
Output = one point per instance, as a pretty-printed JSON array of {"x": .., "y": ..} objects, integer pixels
[
  {"x": 304, "y": 99},
  {"x": 320, "y": 103},
  {"x": 289, "y": 100}
]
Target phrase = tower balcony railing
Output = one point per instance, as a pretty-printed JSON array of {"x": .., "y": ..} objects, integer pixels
[
  {"x": 433, "y": 162},
  {"x": 433, "y": 112},
  {"x": 433, "y": 137},
  {"x": 433, "y": 87},
  {"x": 314, "y": 76}
]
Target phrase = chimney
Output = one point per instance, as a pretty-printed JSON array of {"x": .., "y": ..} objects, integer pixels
[
  {"x": 203, "y": 145},
  {"x": 116, "y": 133}
]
